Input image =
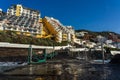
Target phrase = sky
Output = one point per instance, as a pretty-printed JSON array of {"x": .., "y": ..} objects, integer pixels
[{"x": 94, "y": 15}]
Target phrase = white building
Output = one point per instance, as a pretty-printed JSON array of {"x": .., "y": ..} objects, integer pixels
[
  {"x": 81, "y": 34},
  {"x": 20, "y": 18},
  {"x": 61, "y": 32},
  {"x": 20, "y": 10}
]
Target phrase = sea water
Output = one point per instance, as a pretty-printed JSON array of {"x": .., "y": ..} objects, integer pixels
[{"x": 65, "y": 71}]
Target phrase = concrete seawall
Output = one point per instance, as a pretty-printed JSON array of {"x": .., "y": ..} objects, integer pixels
[
  {"x": 14, "y": 54},
  {"x": 19, "y": 52},
  {"x": 13, "y": 45}
]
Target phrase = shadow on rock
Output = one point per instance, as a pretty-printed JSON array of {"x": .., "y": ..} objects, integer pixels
[{"x": 115, "y": 59}]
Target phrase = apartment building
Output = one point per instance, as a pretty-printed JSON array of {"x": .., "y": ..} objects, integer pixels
[
  {"x": 29, "y": 22},
  {"x": 58, "y": 30},
  {"x": 71, "y": 35},
  {"x": 20, "y": 10},
  {"x": 22, "y": 19}
]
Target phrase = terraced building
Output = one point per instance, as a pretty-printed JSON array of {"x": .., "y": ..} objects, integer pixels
[
  {"x": 58, "y": 31},
  {"x": 29, "y": 22},
  {"x": 22, "y": 19}
]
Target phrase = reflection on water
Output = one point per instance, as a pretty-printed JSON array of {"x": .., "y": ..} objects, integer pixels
[
  {"x": 64, "y": 71},
  {"x": 30, "y": 70}
]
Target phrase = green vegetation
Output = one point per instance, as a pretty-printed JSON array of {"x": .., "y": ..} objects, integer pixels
[{"x": 13, "y": 37}]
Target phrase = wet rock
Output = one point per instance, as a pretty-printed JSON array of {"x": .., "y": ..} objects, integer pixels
[{"x": 115, "y": 59}]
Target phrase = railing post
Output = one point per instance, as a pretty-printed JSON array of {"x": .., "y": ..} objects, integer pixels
[{"x": 30, "y": 54}]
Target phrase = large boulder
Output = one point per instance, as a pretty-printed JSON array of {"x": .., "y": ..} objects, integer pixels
[{"x": 115, "y": 59}]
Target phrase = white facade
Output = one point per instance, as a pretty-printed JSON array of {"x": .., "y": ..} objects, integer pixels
[
  {"x": 20, "y": 18},
  {"x": 23, "y": 11},
  {"x": 60, "y": 36},
  {"x": 2, "y": 24},
  {"x": 109, "y": 41},
  {"x": 81, "y": 34},
  {"x": 61, "y": 29},
  {"x": 69, "y": 37}
]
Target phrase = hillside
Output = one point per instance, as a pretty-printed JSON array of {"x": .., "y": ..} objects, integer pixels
[
  {"x": 103, "y": 33},
  {"x": 13, "y": 37}
]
